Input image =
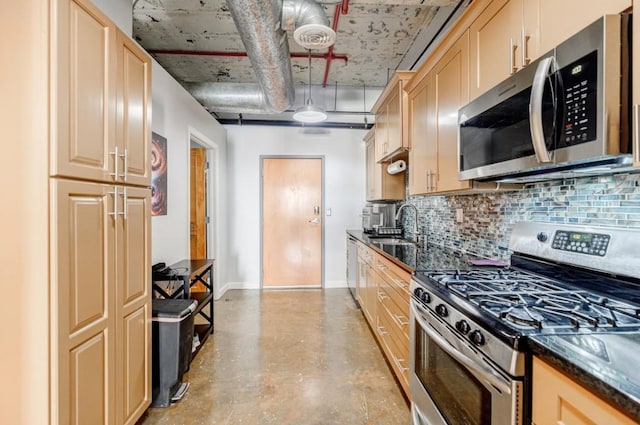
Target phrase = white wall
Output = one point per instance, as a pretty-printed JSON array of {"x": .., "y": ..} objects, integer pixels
[
  {"x": 120, "y": 12},
  {"x": 343, "y": 151},
  {"x": 175, "y": 114}
]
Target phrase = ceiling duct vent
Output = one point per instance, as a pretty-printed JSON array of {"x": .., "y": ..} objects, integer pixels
[
  {"x": 314, "y": 36},
  {"x": 309, "y": 23}
]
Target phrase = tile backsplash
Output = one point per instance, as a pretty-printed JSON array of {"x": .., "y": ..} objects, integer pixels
[{"x": 612, "y": 200}]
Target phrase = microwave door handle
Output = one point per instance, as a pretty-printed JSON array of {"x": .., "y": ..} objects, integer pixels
[
  {"x": 535, "y": 111},
  {"x": 483, "y": 373}
]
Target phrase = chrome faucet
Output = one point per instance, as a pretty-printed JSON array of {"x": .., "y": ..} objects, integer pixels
[{"x": 415, "y": 222}]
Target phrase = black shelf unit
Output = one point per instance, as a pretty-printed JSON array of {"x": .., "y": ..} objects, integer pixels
[{"x": 188, "y": 273}]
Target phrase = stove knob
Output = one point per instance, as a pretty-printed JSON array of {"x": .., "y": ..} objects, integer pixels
[
  {"x": 476, "y": 337},
  {"x": 425, "y": 297},
  {"x": 542, "y": 237},
  {"x": 463, "y": 326},
  {"x": 441, "y": 309},
  {"x": 418, "y": 292}
]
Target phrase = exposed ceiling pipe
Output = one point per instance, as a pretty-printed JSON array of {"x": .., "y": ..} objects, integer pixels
[
  {"x": 344, "y": 9},
  {"x": 242, "y": 54},
  {"x": 261, "y": 24}
]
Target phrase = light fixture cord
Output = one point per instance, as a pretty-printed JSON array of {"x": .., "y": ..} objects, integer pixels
[{"x": 309, "y": 50}]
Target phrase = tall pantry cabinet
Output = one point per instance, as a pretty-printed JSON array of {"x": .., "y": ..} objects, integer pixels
[{"x": 78, "y": 140}]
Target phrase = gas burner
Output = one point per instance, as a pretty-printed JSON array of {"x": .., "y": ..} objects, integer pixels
[{"x": 521, "y": 315}]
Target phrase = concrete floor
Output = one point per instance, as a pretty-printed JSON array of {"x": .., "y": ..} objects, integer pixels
[{"x": 288, "y": 357}]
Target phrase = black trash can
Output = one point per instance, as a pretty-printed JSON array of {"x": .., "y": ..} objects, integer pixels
[{"x": 172, "y": 341}]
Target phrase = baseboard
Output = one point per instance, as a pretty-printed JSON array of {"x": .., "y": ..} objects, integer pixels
[{"x": 335, "y": 284}]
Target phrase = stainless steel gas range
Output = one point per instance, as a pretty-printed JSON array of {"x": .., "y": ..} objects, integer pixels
[{"x": 469, "y": 328}]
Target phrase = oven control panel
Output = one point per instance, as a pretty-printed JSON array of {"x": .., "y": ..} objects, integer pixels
[{"x": 581, "y": 242}]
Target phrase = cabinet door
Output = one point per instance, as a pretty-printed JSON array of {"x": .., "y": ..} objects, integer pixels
[
  {"x": 85, "y": 107},
  {"x": 361, "y": 282},
  {"x": 451, "y": 86},
  {"x": 423, "y": 156},
  {"x": 133, "y": 309},
  {"x": 82, "y": 307},
  {"x": 558, "y": 400},
  {"x": 374, "y": 177},
  {"x": 558, "y": 20},
  {"x": 134, "y": 105},
  {"x": 371, "y": 296},
  {"x": 381, "y": 133},
  {"x": 495, "y": 40},
  {"x": 394, "y": 122},
  {"x": 636, "y": 87}
]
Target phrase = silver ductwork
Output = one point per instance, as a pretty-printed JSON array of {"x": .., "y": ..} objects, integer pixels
[{"x": 261, "y": 25}]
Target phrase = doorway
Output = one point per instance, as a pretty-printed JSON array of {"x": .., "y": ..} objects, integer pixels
[
  {"x": 292, "y": 224},
  {"x": 203, "y": 199}
]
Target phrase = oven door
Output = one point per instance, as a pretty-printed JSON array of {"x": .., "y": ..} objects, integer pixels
[{"x": 452, "y": 383}]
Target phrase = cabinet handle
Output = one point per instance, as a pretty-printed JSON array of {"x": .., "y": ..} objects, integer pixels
[
  {"x": 512, "y": 49},
  {"x": 428, "y": 180},
  {"x": 430, "y": 177},
  {"x": 382, "y": 297},
  {"x": 125, "y": 208},
  {"x": 635, "y": 128},
  {"x": 402, "y": 320},
  {"x": 526, "y": 60},
  {"x": 381, "y": 331},
  {"x": 114, "y": 214},
  {"x": 401, "y": 283},
  {"x": 116, "y": 158},
  {"x": 399, "y": 362},
  {"x": 125, "y": 159}
]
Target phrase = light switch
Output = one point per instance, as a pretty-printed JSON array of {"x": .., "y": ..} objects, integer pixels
[{"x": 328, "y": 212}]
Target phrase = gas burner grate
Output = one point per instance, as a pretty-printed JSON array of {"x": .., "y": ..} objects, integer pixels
[{"x": 530, "y": 301}]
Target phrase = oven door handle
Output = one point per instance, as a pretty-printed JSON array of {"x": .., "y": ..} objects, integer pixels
[{"x": 484, "y": 373}]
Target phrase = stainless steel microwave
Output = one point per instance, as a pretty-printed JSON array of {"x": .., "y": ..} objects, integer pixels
[{"x": 566, "y": 114}]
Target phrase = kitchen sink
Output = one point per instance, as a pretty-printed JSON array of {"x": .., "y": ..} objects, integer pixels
[{"x": 391, "y": 241}]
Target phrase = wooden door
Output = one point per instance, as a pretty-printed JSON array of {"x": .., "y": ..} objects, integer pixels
[
  {"x": 292, "y": 222},
  {"x": 83, "y": 293},
  {"x": 451, "y": 86},
  {"x": 134, "y": 106},
  {"x": 133, "y": 309},
  {"x": 84, "y": 143},
  {"x": 198, "y": 198}
]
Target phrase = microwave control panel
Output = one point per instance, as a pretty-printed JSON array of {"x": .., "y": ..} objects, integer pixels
[
  {"x": 580, "y": 242},
  {"x": 580, "y": 80}
]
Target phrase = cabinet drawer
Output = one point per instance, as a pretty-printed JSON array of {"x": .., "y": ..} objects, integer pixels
[
  {"x": 395, "y": 331},
  {"x": 398, "y": 357},
  {"x": 398, "y": 309}
]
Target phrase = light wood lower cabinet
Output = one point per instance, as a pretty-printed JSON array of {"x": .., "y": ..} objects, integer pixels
[
  {"x": 102, "y": 302},
  {"x": 558, "y": 400},
  {"x": 385, "y": 305}
]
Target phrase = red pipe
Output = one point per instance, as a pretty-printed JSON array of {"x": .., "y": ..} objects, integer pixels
[
  {"x": 241, "y": 54},
  {"x": 344, "y": 8}
]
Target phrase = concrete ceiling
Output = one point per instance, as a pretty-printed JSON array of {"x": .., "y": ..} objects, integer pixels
[{"x": 192, "y": 38}]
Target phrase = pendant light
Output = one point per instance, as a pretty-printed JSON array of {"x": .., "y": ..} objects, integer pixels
[{"x": 310, "y": 113}]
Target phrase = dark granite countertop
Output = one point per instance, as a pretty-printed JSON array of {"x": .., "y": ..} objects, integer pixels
[
  {"x": 414, "y": 257},
  {"x": 605, "y": 363}
]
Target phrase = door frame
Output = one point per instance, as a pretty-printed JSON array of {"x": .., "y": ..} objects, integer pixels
[
  {"x": 322, "y": 230},
  {"x": 212, "y": 196}
]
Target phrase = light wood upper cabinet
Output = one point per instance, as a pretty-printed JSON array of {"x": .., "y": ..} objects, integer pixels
[
  {"x": 391, "y": 119},
  {"x": 433, "y": 110},
  {"x": 558, "y": 400},
  {"x": 103, "y": 99},
  {"x": 380, "y": 184},
  {"x": 559, "y": 20},
  {"x": 496, "y": 42},
  {"x": 509, "y": 34},
  {"x": 133, "y": 112},
  {"x": 85, "y": 93}
]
